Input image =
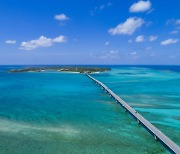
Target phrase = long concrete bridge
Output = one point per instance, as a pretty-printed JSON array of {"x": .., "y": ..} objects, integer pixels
[{"x": 158, "y": 135}]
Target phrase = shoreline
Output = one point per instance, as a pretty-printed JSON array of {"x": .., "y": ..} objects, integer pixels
[{"x": 60, "y": 69}]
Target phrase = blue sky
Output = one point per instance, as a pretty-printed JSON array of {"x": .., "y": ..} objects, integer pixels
[{"x": 89, "y": 32}]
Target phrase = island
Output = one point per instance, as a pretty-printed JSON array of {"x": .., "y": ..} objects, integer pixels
[{"x": 76, "y": 69}]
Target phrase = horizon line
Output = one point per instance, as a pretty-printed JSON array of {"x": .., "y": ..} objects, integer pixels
[{"x": 90, "y": 64}]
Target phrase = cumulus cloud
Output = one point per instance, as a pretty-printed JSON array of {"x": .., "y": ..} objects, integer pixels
[
  {"x": 107, "y": 43},
  {"x": 128, "y": 27},
  {"x": 59, "y": 39},
  {"x": 42, "y": 42},
  {"x": 169, "y": 41},
  {"x": 139, "y": 38},
  {"x": 61, "y": 17},
  {"x": 11, "y": 41},
  {"x": 140, "y": 6},
  {"x": 153, "y": 38}
]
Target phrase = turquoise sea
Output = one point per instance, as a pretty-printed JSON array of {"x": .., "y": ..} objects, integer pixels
[{"x": 51, "y": 112}]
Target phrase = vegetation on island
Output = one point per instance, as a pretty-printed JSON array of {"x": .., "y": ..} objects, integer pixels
[{"x": 78, "y": 69}]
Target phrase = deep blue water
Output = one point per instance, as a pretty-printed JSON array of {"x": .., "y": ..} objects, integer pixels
[{"x": 52, "y": 112}]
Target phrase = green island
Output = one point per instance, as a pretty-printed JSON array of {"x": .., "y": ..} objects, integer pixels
[{"x": 77, "y": 69}]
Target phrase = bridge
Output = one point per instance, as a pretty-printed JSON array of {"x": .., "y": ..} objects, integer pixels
[{"x": 158, "y": 135}]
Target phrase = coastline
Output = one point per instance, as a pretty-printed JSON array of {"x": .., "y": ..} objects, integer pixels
[{"x": 72, "y": 69}]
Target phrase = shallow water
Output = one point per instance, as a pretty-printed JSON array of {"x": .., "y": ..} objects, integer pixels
[
  {"x": 68, "y": 113},
  {"x": 155, "y": 93}
]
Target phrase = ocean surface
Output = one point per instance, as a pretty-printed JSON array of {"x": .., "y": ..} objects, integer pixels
[{"x": 52, "y": 112}]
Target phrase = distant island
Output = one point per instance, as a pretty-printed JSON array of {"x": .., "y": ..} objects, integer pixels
[{"x": 77, "y": 69}]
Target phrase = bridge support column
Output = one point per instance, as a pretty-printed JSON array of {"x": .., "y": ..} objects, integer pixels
[
  {"x": 155, "y": 137},
  {"x": 138, "y": 121}
]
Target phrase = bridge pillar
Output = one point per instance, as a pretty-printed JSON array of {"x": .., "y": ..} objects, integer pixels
[
  {"x": 155, "y": 137},
  {"x": 138, "y": 121}
]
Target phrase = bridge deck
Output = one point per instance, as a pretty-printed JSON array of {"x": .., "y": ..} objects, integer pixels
[{"x": 168, "y": 143}]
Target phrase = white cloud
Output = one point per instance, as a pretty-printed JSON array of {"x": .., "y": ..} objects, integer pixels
[
  {"x": 173, "y": 21},
  {"x": 61, "y": 17},
  {"x": 153, "y": 38},
  {"x": 42, "y": 42},
  {"x": 107, "y": 43},
  {"x": 128, "y": 27},
  {"x": 133, "y": 53},
  {"x": 11, "y": 41},
  {"x": 174, "y": 32},
  {"x": 100, "y": 8},
  {"x": 169, "y": 41},
  {"x": 111, "y": 54},
  {"x": 139, "y": 38},
  {"x": 59, "y": 39},
  {"x": 140, "y": 6}
]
